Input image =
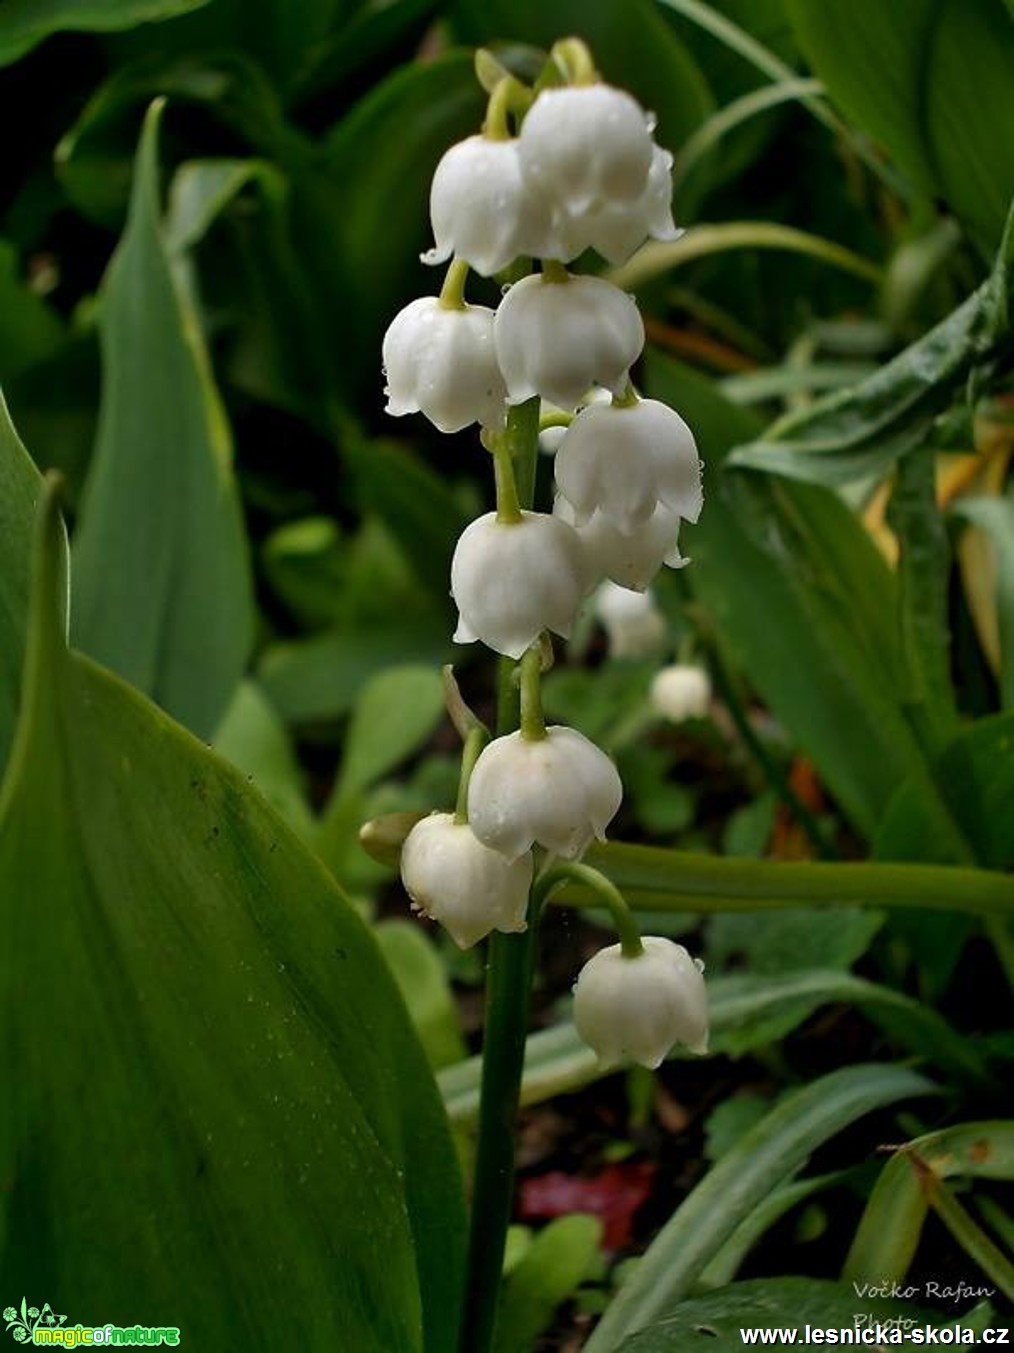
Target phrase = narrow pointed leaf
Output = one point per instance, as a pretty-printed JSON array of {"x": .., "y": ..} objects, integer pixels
[
  {"x": 19, "y": 489},
  {"x": 163, "y": 591}
]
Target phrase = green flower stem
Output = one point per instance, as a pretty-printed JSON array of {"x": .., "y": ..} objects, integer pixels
[
  {"x": 575, "y": 60},
  {"x": 628, "y": 399},
  {"x": 452, "y": 293},
  {"x": 533, "y": 725},
  {"x": 656, "y": 879},
  {"x": 971, "y": 1237},
  {"x": 554, "y": 271},
  {"x": 474, "y": 744},
  {"x": 508, "y": 987},
  {"x": 509, "y": 96},
  {"x": 508, "y": 508},
  {"x": 605, "y": 893}
]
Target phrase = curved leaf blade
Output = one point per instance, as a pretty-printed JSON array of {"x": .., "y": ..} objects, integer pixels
[
  {"x": 162, "y": 585},
  {"x": 25, "y": 23},
  {"x": 257, "y": 1143}
]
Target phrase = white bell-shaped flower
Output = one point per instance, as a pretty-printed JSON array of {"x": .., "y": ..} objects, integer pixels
[
  {"x": 441, "y": 361},
  {"x": 558, "y": 338},
  {"x": 638, "y": 1008},
  {"x": 585, "y": 145},
  {"x": 453, "y": 878},
  {"x": 616, "y": 229},
  {"x": 682, "y": 691},
  {"x": 631, "y": 559},
  {"x": 482, "y": 209},
  {"x": 511, "y": 581},
  {"x": 559, "y": 791},
  {"x": 624, "y": 460},
  {"x": 633, "y": 623}
]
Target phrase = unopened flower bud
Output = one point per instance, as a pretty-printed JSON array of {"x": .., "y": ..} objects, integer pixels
[
  {"x": 637, "y": 1008},
  {"x": 558, "y": 338},
  {"x": 559, "y": 791},
  {"x": 453, "y": 878},
  {"x": 441, "y": 361},
  {"x": 482, "y": 210},
  {"x": 511, "y": 581},
  {"x": 680, "y": 692},
  {"x": 585, "y": 145},
  {"x": 633, "y": 623},
  {"x": 625, "y": 460}
]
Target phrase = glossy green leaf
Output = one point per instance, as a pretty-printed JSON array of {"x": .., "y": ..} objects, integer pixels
[
  {"x": 421, "y": 976},
  {"x": 856, "y": 432},
  {"x": 254, "y": 1130},
  {"x": 19, "y": 490},
  {"x": 765, "y": 1159},
  {"x": 163, "y": 593},
  {"x": 888, "y": 1235},
  {"x": 555, "y": 1264},
  {"x": 815, "y": 631},
  {"x": 714, "y": 1322},
  {"x": 926, "y": 79},
  {"x": 255, "y": 740},
  {"x": 24, "y": 23},
  {"x": 995, "y": 516}
]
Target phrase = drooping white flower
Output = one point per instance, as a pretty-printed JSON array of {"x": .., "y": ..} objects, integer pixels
[
  {"x": 624, "y": 460},
  {"x": 482, "y": 209},
  {"x": 616, "y": 229},
  {"x": 558, "y": 792},
  {"x": 453, "y": 878},
  {"x": 637, "y": 1008},
  {"x": 511, "y": 581},
  {"x": 585, "y": 145},
  {"x": 558, "y": 338},
  {"x": 631, "y": 559},
  {"x": 441, "y": 361},
  {"x": 681, "y": 691},
  {"x": 633, "y": 623}
]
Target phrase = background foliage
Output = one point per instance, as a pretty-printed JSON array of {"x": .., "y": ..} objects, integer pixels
[{"x": 210, "y": 213}]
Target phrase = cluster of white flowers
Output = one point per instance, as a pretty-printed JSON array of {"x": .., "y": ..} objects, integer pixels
[{"x": 582, "y": 171}]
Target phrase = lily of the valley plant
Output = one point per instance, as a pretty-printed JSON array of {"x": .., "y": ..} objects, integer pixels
[{"x": 558, "y": 169}]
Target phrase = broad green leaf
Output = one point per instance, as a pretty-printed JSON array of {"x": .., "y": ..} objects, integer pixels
[
  {"x": 888, "y": 1235},
  {"x": 765, "y": 1159},
  {"x": 714, "y": 1322},
  {"x": 255, "y": 740},
  {"x": 815, "y": 630},
  {"x": 926, "y": 78},
  {"x": 421, "y": 976},
  {"x": 555, "y": 1264},
  {"x": 785, "y": 942},
  {"x": 163, "y": 592},
  {"x": 857, "y": 432},
  {"x": 260, "y": 1147},
  {"x": 24, "y": 23},
  {"x": 995, "y": 516},
  {"x": 977, "y": 772},
  {"x": 396, "y": 713},
  {"x": 318, "y": 679},
  {"x": 19, "y": 491},
  {"x": 371, "y": 31}
]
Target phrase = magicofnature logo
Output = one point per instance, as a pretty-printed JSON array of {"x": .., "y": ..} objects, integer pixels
[
  {"x": 23, "y": 1326},
  {"x": 45, "y": 1326}
]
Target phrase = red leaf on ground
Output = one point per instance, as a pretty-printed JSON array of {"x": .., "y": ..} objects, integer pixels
[{"x": 613, "y": 1195}]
